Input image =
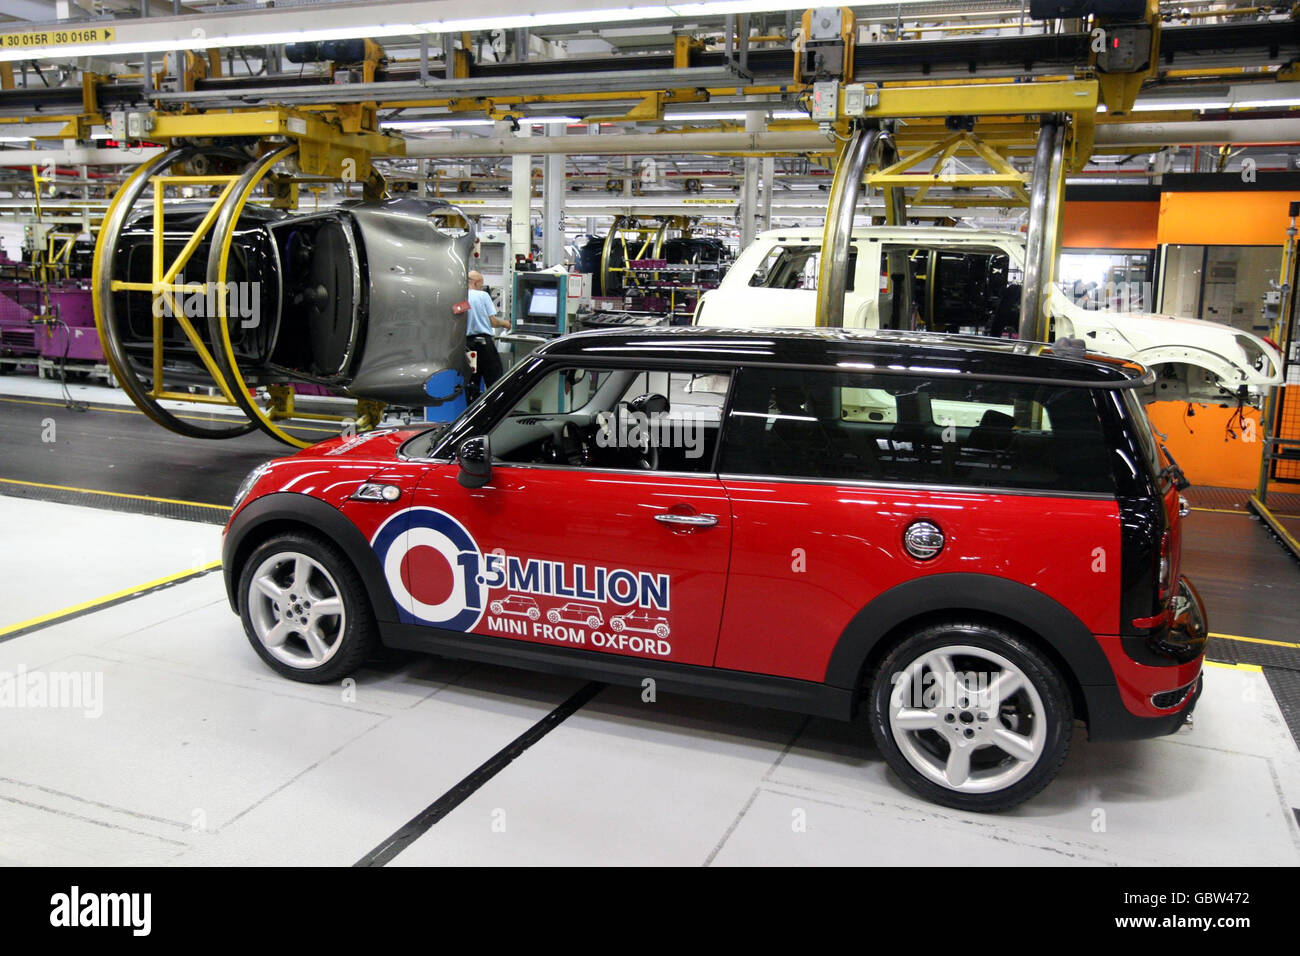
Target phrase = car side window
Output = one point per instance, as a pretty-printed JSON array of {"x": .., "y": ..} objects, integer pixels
[
  {"x": 951, "y": 431},
  {"x": 633, "y": 419},
  {"x": 795, "y": 267}
]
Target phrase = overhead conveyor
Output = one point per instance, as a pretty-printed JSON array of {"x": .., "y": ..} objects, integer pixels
[
  {"x": 1057, "y": 118},
  {"x": 290, "y": 149}
]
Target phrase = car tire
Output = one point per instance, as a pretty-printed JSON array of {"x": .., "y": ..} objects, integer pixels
[
  {"x": 495, "y": 607},
  {"x": 593, "y": 622},
  {"x": 553, "y": 617},
  {"x": 661, "y": 631},
  {"x": 953, "y": 746},
  {"x": 301, "y": 640},
  {"x": 534, "y": 614},
  {"x": 617, "y": 624}
]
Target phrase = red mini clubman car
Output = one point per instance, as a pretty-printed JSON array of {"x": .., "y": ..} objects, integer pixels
[{"x": 976, "y": 541}]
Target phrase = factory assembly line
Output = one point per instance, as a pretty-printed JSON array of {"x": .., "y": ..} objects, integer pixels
[{"x": 737, "y": 434}]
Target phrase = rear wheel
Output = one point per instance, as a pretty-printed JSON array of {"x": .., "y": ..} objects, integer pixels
[
  {"x": 971, "y": 716},
  {"x": 305, "y": 609}
]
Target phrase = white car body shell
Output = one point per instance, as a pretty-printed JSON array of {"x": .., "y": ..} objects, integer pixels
[{"x": 1233, "y": 356}]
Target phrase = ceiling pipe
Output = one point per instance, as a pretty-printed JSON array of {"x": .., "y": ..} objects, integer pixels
[
  {"x": 1242, "y": 132},
  {"x": 635, "y": 143},
  {"x": 77, "y": 156}
]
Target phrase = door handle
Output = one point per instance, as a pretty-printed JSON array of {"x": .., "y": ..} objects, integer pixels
[{"x": 689, "y": 521}]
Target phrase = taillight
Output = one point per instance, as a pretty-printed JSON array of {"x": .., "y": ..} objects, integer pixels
[{"x": 1164, "y": 590}]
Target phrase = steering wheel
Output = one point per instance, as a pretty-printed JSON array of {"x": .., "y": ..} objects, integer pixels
[
  {"x": 648, "y": 406},
  {"x": 571, "y": 446}
]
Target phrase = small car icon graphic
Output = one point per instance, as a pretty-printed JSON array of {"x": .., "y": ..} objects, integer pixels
[
  {"x": 641, "y": 621},
  {"x": 519, "y": 605},
  {"x": 575, "y": 612}
]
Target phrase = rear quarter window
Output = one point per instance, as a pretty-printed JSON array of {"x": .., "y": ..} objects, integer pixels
[{"x": 960, "y": 431}]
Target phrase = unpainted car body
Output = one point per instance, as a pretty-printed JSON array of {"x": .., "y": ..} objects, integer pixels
[
  {"x": 367, "y": 297},
  {"x": 773, "y": 284}
]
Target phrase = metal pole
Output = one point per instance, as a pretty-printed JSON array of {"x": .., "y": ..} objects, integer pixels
[
  {"x": 833, "y": 272},
  {"x": 769, "y": 184},
  {"x": 553, "y": 206},
  {"x": 754, "y": 122},
  {"x": 147, "y": 82},
  {"x": 1052, "y": 226},
  {"x": 1029, "y": 290},
  {"x": 521, "y": 191}
]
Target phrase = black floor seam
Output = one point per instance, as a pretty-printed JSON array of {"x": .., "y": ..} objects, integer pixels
[
  {"x": 422, "y": 822},
  {"x": 113, "y": 501}
]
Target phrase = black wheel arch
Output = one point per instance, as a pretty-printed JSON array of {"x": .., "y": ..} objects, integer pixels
[
  {"x": 897, "y": 612},
  {"x": 276, "y": 513}
]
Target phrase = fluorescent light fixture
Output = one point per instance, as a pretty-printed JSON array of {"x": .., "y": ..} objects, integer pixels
[
  {"x": 163, "y": 34},
  {"x": 434, "y": 123},
  {"x": 1281, "y": 101},
  {"x": 689, "y": 117},
  {"x": 22, "y": 132},
  {"x": 1245, "y": 95},
  {"x": 1153, "y": 105}
]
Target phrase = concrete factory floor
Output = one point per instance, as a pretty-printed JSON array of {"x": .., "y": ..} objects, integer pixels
[{"x": 172, "y": 743}]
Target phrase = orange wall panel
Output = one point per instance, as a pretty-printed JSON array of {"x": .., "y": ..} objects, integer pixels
[
  {"x": 1110, "y": 225},
  {"x": 1202, "y": 446},
  {"x": 1242, "y": 218}
]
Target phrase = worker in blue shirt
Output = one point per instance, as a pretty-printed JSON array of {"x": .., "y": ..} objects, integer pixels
[{"x": 481, "y": 319}]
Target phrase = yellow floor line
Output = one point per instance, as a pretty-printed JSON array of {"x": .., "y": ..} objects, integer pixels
[
  {"x": 1226, "y": 511},
  {"x": 114, "y": 494},
  {"x": 135, "y": 411},
  {"x": 1253, "y": 668},
  {"x": 1254, "y": 640},
  {"x": 107, "y": 598}
]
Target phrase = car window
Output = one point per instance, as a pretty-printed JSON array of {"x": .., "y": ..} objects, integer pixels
[
  {"x": 964, "y": 290},
  {"x": 795, "y": 267},
  {"x": 952, "y": 431},
  {"x": 638, "y": 419}
]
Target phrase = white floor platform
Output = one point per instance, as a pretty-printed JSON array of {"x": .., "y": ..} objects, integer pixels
[{"x": 201, "y": 755}]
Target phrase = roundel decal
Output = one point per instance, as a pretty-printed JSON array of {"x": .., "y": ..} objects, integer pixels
[{"x": 432, "y": 564}]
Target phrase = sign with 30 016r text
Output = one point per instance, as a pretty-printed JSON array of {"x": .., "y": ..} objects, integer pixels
[{"x": 56, "y": 37}]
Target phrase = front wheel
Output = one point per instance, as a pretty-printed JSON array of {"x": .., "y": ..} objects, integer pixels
[
  {"x": 971, "y": 716},
  {"x": 304, "y": 609}
]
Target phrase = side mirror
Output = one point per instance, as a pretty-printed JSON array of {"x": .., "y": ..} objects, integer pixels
[{"x": 475, "y": 457}]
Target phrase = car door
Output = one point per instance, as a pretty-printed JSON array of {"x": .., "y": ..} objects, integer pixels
[{"x": 571, "y": 513}]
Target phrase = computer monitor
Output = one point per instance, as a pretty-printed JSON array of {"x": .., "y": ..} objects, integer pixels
[{"x": 544, "y": 304}]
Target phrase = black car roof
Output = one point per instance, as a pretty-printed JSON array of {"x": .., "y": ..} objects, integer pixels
[{"x": 877, "y": 351}]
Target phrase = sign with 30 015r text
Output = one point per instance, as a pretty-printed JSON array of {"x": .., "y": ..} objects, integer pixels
[{"x": 64, "y": 36}]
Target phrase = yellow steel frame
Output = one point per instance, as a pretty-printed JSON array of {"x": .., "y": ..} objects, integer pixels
[
  {"x": 281, "y": 404},
  {"x": 902, "y": 173},
  {"x": 651, "y": 239},
  {"x": 165, "y": 289}
]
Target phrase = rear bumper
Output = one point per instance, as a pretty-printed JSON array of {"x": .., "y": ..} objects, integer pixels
[{"x": 1157, "y": 684}]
